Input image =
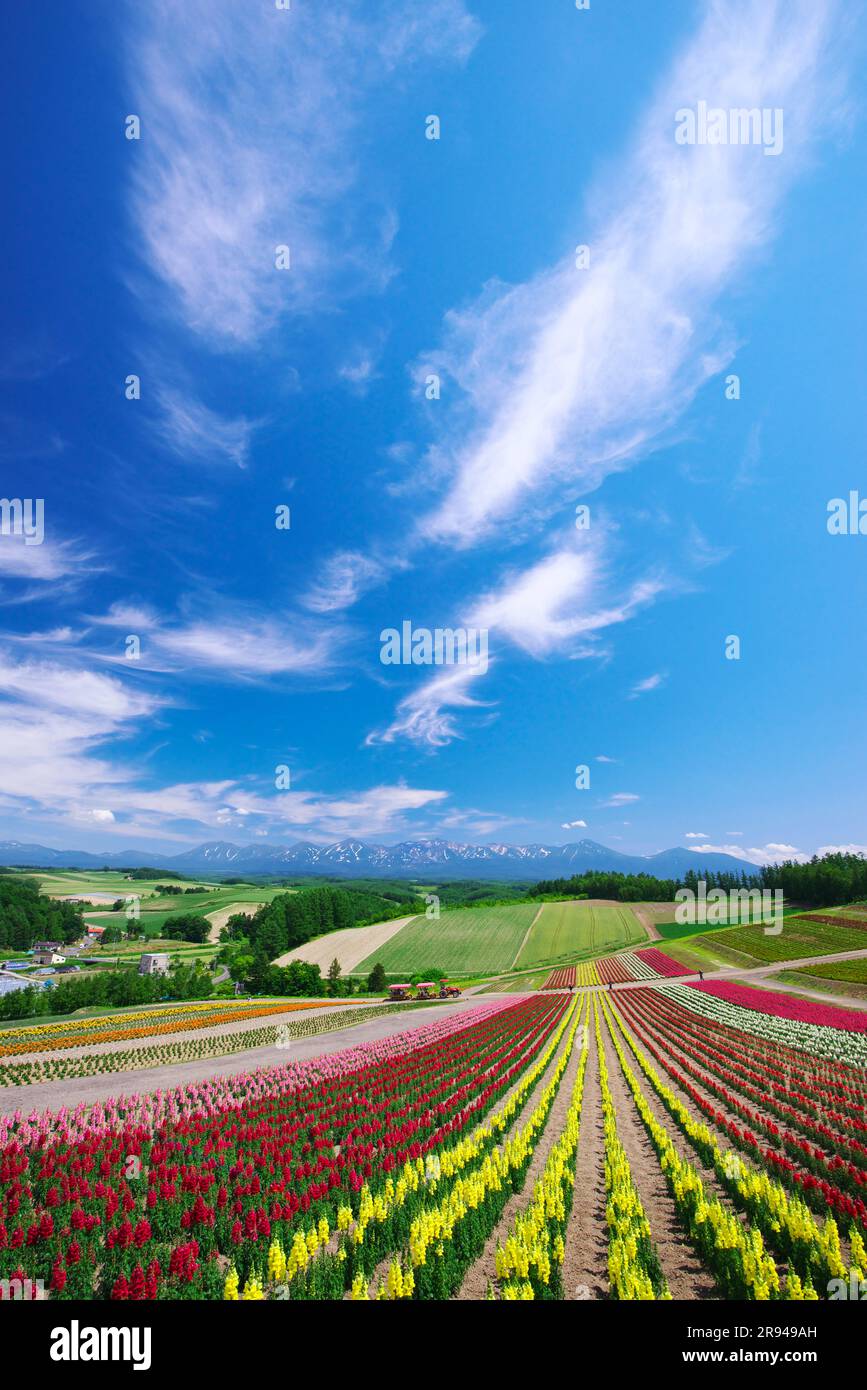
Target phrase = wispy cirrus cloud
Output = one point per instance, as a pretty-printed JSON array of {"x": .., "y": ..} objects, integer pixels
[
  {"x": 643, "y": 687},
  {"x": 559, "y": 604},
  {"x": 342, "y": 580},
  {"x": 239, "y": 156},
  {"x": 58, "y": 727},
  {"x": 577, "y": 372},
  {"x": 231, "y": 641},
  {"x": 45, "y": 563},
  {"x": 428, "y": 714},
  {"x": 195, "y": 432}
]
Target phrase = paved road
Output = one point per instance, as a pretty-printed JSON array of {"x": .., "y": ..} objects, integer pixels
[{"x": 90, "y": 1089}]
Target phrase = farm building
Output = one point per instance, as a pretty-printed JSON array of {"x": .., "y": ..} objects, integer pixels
[
  {"x": 155, "y": 963},
  {"x": 48, "y": 957}
]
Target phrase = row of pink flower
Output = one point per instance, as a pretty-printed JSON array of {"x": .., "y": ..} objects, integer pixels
[
  {"x": 786, "y": 1006},
  {"x": 219, "y": 1094},
  {"x": 660, "y": 962}
]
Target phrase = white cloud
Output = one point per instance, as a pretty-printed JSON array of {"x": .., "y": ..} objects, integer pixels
[
  {"x": 601, "y": 758},
  {"x": 55, "y": 723},
  {"x": 649, "y": 683},
  {"x": 92, "y": 816},
  {"x": 195, "y": 432},
  {"x": 766, "y": 854},
  {"x": 556, "y": 603},
  {"x": 575, "y": 373},
  {"x": 249, "y": 116},
  {"x": 43, "y": 563},
  {"x": 695, "y": 835},
  {"x": 426, "y": 714},
  {"x": 343, "y": 578},
  {"x": 574, "y": 825},
  {"x": 234, "y": 642},
  {"x": 842, "y": 849},
  {"x": 620, "y": 799}
]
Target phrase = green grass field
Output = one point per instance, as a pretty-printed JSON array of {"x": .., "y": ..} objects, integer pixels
[
  {"x": 855, "y": 971},
  {"x": 798, "y": 938},
  {"x": 465, "y": 941},
  {"x": 576, "y": 930}
]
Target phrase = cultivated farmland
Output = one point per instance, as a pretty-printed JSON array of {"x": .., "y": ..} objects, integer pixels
[
  {"x": 628, "y": 1144},
  {"x": 350, "y": 945},
  {"x": 464, "y": 941},
  {"x": 800, "y": 937},
  {"x": 566, "y": 931}
]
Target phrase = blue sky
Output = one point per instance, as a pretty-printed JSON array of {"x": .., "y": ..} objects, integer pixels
[{"x": 603, "y": 385}]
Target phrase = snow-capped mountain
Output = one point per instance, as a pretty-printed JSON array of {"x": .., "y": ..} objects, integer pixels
[{"x": 410, "y": 858}]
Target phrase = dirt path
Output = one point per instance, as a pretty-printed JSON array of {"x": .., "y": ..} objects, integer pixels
[
  {"x": 585, "y": 1266},
  {"x": 721, "y": 1107},
  {"x": 712, "y": 1185},
  {"x": 684, "y": 1272},
  {"x": 647, "y": 922},
  {"x": 482, "y": 1272},
  {"x": 526, "y": 938}
]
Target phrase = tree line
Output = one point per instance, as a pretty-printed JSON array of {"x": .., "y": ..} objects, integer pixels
[
  {"x": 290, "y": 919},
  {"x": 825, "y": 881},
  {"x": 26, "y": 916},
  {"x": 185, "y": 980}
]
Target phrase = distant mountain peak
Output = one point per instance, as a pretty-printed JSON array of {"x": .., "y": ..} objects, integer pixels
[{"x": 448, "y": 858}]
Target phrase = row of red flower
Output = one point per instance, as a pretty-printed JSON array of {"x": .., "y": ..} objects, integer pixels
[
  {"x": 88, "y": 1215},
  {"x": 796, "y": 1173}
]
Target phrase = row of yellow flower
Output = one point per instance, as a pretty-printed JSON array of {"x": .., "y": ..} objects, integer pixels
[
  {"x": 634, "y": 1269},
  {"x": 281, "y": 1267},
  {"x": 142, "y": 1024},
  {"x": 784, "y": 1220},
  {"x": 587, "y": 974},
  {"x": 415, "y": 1175},
  {"x": 534, "y": 1250},
  {"x": 134, "y": 1015},
  {"x": 736, "y": 1256},
  {"x": 434, "y": 1227}
]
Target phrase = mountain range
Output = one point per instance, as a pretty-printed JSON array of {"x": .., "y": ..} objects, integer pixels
[{"x": 409, "y": 859}]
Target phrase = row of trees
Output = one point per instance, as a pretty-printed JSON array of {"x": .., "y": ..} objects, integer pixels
[
  {"x": 823, "y": 882},
  {"x": 185, "y": 980},
  {"x": 290, "y": 919},
  {"x": 25, "y": 916},
  {"x": 594, "y": 883}
]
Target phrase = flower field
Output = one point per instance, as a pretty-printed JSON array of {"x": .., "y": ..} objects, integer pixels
[
  {"x": 564, "y": 978},
  {"x": 649, "y": 964},
  {"x": 142, "y": 1023},
  {"x": 516, "y": 1151},
  {"x": 307, "y": 1024}
]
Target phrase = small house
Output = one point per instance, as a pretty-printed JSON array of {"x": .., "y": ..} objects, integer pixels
[
  {"x": 48, "y": 958},
  {"x": 154, "y": 963}
]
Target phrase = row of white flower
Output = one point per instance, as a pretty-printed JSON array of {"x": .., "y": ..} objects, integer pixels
[
  {"x": 818, "y": 1039},
  {"x": 638, "y": 968}
]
